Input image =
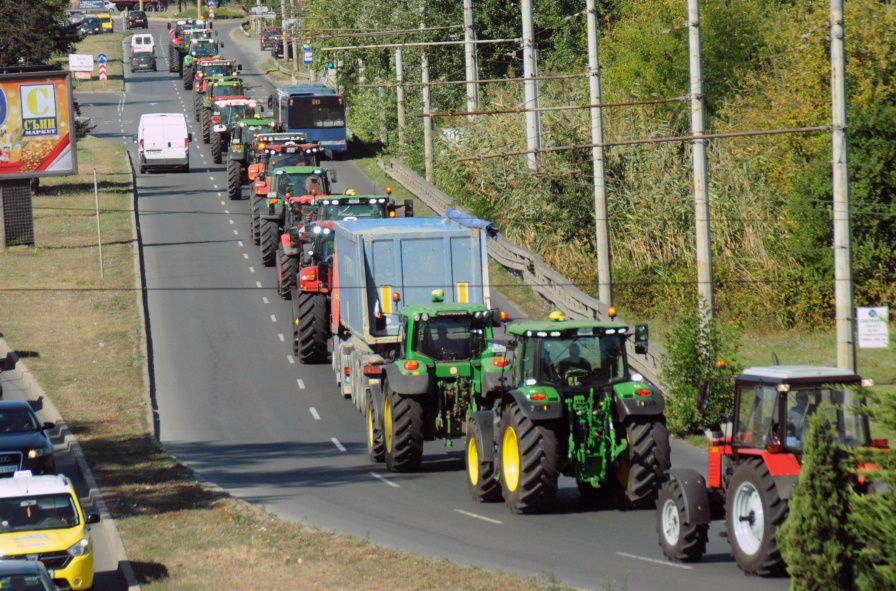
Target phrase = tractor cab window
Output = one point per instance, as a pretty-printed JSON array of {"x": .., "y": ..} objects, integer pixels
[
  {"x": 450, "y": 338},
  {"x": 756, "y": 417},
  {"x": 203, "y": 50},
  {"x": 358, "y": 210},
  {"x": 582, "y": 361},
  {"x": 218, "y": 70},
  {"x": 840, "y": 407}
]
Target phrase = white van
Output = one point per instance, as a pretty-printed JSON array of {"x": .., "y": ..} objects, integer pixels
[
  {"x": 142, "y": 42},
  {"x": 164, "y": 141}
]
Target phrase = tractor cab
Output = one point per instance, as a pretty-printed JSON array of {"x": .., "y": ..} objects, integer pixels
[
  {"x": 443, "y": 332},
  {"x": 773, "y": 406}
]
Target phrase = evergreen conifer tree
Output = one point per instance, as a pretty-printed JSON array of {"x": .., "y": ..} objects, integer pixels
[{"x": 817, "y": 541}]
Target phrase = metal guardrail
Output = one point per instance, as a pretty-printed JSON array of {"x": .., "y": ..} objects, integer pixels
[{"x": 546, "y": 282}]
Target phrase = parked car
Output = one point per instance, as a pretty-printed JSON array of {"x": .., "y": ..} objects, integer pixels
[
  {"x": 24, "y": 444},
  {"x": 30, "y": 575},
  {"x": 42, "y": 519},
  {"x": 137, "y": 18},
  {"x": 91, "y": 25},
  {"x": 268, "y": 37},
  {"x": 107, "y": 22},
  {"x": 143, "y": 60}
]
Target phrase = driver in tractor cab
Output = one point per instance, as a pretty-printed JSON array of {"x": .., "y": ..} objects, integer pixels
[
  {"x": 801, "y": 408},
  {"x": 573, "y": 362}
]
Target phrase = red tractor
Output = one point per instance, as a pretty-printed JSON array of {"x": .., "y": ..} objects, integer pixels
[{"x": 754, "y": 466}]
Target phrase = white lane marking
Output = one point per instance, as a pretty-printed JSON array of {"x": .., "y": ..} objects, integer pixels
[
  {"x": 301, "y": 384},
  {"x": 291, "y": 359},
  {"x": 281, "y": 337},
  {"x": 222, "y": 203},
  {"x": 252, "y": 270},
  {"x": 227, "y": 211},
  {"x": 473, "y": 515},
  {"x": 338, "y": 445},
  {"x": 211, "y": 178},
  {"x": 257, "y": 283},
  {"x": 386, "y": 480},
  {"x": 236, "y": 233},
  {"x": 239, "y": 243},
  {"x": 273, "y": 318},
  {"x": 231, "y": 222},
  {"x": 214, "y": 186},
  {"x": 245, "y": 255},
  {"x": 265, "y": 300},
  {"x": 314, "y": 413},
  {"x": 654, "y": 560}
]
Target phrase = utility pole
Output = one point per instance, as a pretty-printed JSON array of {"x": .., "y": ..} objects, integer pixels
[
  {"x": 601, "y": 216},
  {"x": 530, "y": 86},
  {"x": 427, "y": 108},
  {"x": 843, "y": 284},
  {"x": 701, "y": 191},
  {"x": 472, "y": 58},
  {"x": 399, "y": 94}
]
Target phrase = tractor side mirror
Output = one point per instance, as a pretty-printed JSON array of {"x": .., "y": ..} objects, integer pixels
[
  {"x": 497, "y": 317},
  {"x": 271, "y": 101},
  {"x": 239, "y": 67},
  {"x": 169, "y": 26},
  {"x": 642, "y": 339},
  {"x": 408, "y": 208},
  {"x": 221, "y": 44},
  {"x": 702, "y": 395},
  {"x": 331, "y": 174}
]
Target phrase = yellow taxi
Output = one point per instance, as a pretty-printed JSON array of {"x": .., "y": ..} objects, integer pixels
[
  {"x": 106, "y": 22},
  {"x": 41, "y": 519}
]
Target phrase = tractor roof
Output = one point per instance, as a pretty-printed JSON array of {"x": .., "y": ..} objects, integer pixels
[
  {"x": 443, "y": 309},
  {"x": 298, "y": 170},
  {"x": 799, "y": 373},
  {"x": 564, "y": 328}
]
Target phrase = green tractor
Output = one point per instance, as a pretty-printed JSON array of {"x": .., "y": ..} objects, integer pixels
[
  {"x": 242, "y": 152},
  {"x": 225, "y": 117},
  {"x": 573, "y": 408},
  {"x": 198, "y": 49},
  {"x": 180, "y": 41},
  {"x": 230, "y": 86},
  {"x": 445, "y": 367}
]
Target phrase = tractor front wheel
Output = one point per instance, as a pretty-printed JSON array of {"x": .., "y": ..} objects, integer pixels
[
  {"x": 216, "y": 147},
  {"x": 640, "y": 470},
  {"x": 188, "y": 77},
  {"x": 754, "y": 511},
  {"x": 311, "y": 327},
  {"x": 684, "y": 542},
  {"x": 288, "y": 267},
  {"x": 254, "y": 220},
  {"x": 484, "y": 487},
  {"x": 403, "y": 431},
  {"x": 269, "y": 242},
  {"x": 234, "y": 188},
  {"x": 376, "y": 444},
  {"x": 205, "y": 124},
  {"x": 529, "y": 457}
]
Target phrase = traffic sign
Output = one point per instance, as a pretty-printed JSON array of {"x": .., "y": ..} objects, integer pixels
[
  {"x": 259, "y": 9},
  {"x": 307, "y": 55},
  {"x": 102, "y": 71},
  {"x": 101, "y": 58}
]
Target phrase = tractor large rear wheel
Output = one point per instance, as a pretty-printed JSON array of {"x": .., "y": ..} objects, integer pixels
[
  {"x": 288, "y": 267},
  {"x": 681, "y": 541},
  {"x": 234, "y": 187},
  {"x": 376, "y": 442},
  {"x": 403, "y": 431},
  {"x": 753, "y": 513},
  {"x": 529, "y": 460},
  {"x": 311, "y": 328},
  {"x": 216, "y": 147},
  {"x": 484, "y": 487},
  {"x": 269, "y": 242},
  {"x": 640, "y": 471},
  {"x": 205, "y": 124}
]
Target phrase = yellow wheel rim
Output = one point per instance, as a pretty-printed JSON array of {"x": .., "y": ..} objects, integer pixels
[
  {"x": 510, "y": 459},
  {"x": 472, "y": 461},
  {"x": 370, "y": 429},
  {"x": 387, "y": 423}
]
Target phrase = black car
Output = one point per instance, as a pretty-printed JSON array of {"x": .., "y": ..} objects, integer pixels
[
  {"x": 269, "y": 37},
  {"x": 143, "y": 60},
  {"x": 137, "y": 18},
  {"x": 24, "y": 444},
  {"x": 91, "y": 26}
]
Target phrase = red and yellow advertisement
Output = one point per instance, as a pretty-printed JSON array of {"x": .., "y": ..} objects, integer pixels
[{"x": 36, "y": 125}]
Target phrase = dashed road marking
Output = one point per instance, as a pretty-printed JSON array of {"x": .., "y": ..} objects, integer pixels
[
  {"x": 386, "y": 480},
  {"x": 654, "y": 560},
  {"x": 257, "y": 283},
  {"x": 338, "y": 445},
  {"x": 252, "y": 270},
  {"x": 314, "y": 413},
  {"x": 475, "y": 516},
  {"x": 281, "y": 337},
  {"x": 291, "y": 359},
  {"x": 245, "y": 255},
  {"x": 265, "y": 300},
  {"x": 301, "y": 383},
  {"x": 273, "y": 318}
]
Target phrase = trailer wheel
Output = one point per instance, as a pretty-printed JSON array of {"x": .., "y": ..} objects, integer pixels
[
  {"x": 484, "y": 487},
  {"x": 268, "y": 242},
  {"x": 312, "y": 328},
  {"x": 528, "y": 459},
  {"x": 640, "y": 469},
  {"x": 234, "y": 187},
  {"x": 254, "y": 220},
  {"x": 376, "y": 443},
  {"x": 754, "y": 511},
  {"x": 205, "y": 124},
  {"x": 288, "y": 268},
  {"x": 403, "y": 431},
  {"x": 216, "y": 147},
  {"x": 684, "y": 542}
]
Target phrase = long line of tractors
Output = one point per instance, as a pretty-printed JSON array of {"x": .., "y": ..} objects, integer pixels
[{"x": 401, "y": 309}]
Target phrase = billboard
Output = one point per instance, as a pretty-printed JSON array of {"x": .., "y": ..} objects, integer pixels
[{"x": 37, "y": 125}]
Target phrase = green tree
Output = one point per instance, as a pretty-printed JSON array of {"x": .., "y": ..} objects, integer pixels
[
  {"x": 34, "y": 31},
  {"x": 692, "y": 351},
  {"x": 816, "y": 541}
]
